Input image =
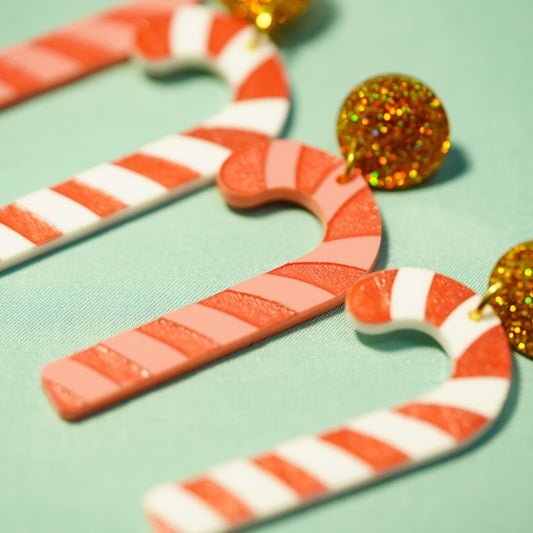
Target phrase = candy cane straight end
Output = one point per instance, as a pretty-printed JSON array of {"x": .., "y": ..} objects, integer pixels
[{"x": 374, "y": 445}]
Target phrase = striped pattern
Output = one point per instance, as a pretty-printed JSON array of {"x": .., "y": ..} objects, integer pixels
[
  {"x": 162, "y": 170},
  {"x": 250, "y": 311},
  {"x": 371, "y": 446},
  {"x": 82, "y": 47}
]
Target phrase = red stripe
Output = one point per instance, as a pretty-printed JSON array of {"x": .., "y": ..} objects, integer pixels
[
  {"x": 225, "y": 503},
  {"x": 223, "y": 28},
  {"x": 267, "y": 81},
  {"x": 62, "y": 398},
  {"x": 185, "y": 340},
  {"x": 331, "y": 277},
  {"x": 359, "y": 216},
  {"x": 300, "y": 481},
  {"x": 370, "y": 301},
  {"x": 95, "y": 200},
  {"x": 376, "y": 453},
  {"x": 89, "y": 55},
  {"x": 444, "y": 296},
  {"x": 313, "y": 168},
  {"x": 152, "y": 38},
  {"x": 243, "y": 175},
  {"x": 459, "y": 423},
  {"x": 18, "y": 79},
  {"x": 164, "y": 172},
  {"x": 253, "y": 309},
  {"x": 229, "y": 138},
  {"x": 474, "y": 361},
  {"x": 111, "y": 364},
  {"x": 27, "y": 224}
]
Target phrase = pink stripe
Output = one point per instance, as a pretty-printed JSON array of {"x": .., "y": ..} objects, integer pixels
[
  {"x": 7, "y": 93},
  {"x": 354, "y": 251},
  {"x": 281, "y": 164},
  {"x": 80, "y": 379},
  {"x": 114, "y": 36},
  {"x": 44, "y": 64},
  {"x": 294, "y": 294},
  {"x": 217, "y": 325},
  {"x": 331, "y": 195},
  {"x": 146, "y": 351}
]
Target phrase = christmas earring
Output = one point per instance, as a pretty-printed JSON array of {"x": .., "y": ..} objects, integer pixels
[
  {"x": 162, "y": 170},
  {"x": 375, "y": 445},
  {"x": 199, "y": 333}
]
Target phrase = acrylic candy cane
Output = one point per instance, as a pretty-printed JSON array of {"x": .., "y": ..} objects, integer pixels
[
  {"x": 255, "y": 309},
  {"x": 76, "y": 50},
  {"x": 372, "y": 446},
  {"x": 172, "y": 166}
]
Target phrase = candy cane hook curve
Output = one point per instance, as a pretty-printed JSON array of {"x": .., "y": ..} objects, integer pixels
[
  {"x": 199, "y": 333},
  {"x": 76, "y": 50}
]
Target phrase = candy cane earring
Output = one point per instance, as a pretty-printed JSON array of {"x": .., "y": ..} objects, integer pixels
[
  {"x": 170, "y": 167},
  {"x": 194, "y": 335},
  {"x": 370, "y": 447}
]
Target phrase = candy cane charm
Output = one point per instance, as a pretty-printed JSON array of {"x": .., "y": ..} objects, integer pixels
[
  {"x": 250, "y": 311},
  {"x": 172, "y": 166},
  {"x": 372, "y": 446},
  {"x": 76, "y": 50}
]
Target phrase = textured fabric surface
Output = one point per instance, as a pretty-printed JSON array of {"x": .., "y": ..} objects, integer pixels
[{"x": 90, "y": 476}]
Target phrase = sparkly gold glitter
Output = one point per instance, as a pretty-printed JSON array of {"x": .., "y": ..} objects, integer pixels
[
  {"x": 399, "y": 129},
  {"x": 513, "y": 301},
  {"x": 267, "y": 14}
]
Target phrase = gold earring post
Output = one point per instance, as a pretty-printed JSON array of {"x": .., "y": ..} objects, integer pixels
[
  {"x": 477, "y": 313},
  {"x": 350, "y": 163}
]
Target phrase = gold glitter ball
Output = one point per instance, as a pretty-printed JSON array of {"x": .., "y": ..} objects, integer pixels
[
  {"x": 513, "y": 298},
  {"x": 267, "y": 14},
  {"x": 396, "y": 130}
]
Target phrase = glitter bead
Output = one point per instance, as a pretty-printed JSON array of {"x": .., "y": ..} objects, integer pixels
[
  {"x": 267, "y": 14},
  {"x": 397, "y": 130},
  {"x": 513, "y": 302}
]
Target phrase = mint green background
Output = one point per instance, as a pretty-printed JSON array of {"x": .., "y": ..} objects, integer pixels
[{"x": 89, "y": 477}]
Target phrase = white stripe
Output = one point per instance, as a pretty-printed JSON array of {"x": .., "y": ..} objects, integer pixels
[
  {"x": 459, "y": 331},
  {"x": 262, "y": 493},
  {"x": 12, "y": 243},
  {"x": 212, "y": 323},
  {"x": 416, "y": 439},
  {"x": 189, "y": 32},
  {"x": 359, "y": 252},
  {"x": 182, "y": 510},
  {"x": 409, "y": 294},
  {"x": 330, "y": 465},
  {"x": 63, "y": 213},
  {"x": 292, "y": 293},
  {"x": 263, "y": 115},
  {"x": 332, "y": 195},
  {"x": 484, "y": 396},
  {"x": 240, "y": 57},
  {"x": 201, "y": 156},
  {"x": 124, "y": 185}
]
